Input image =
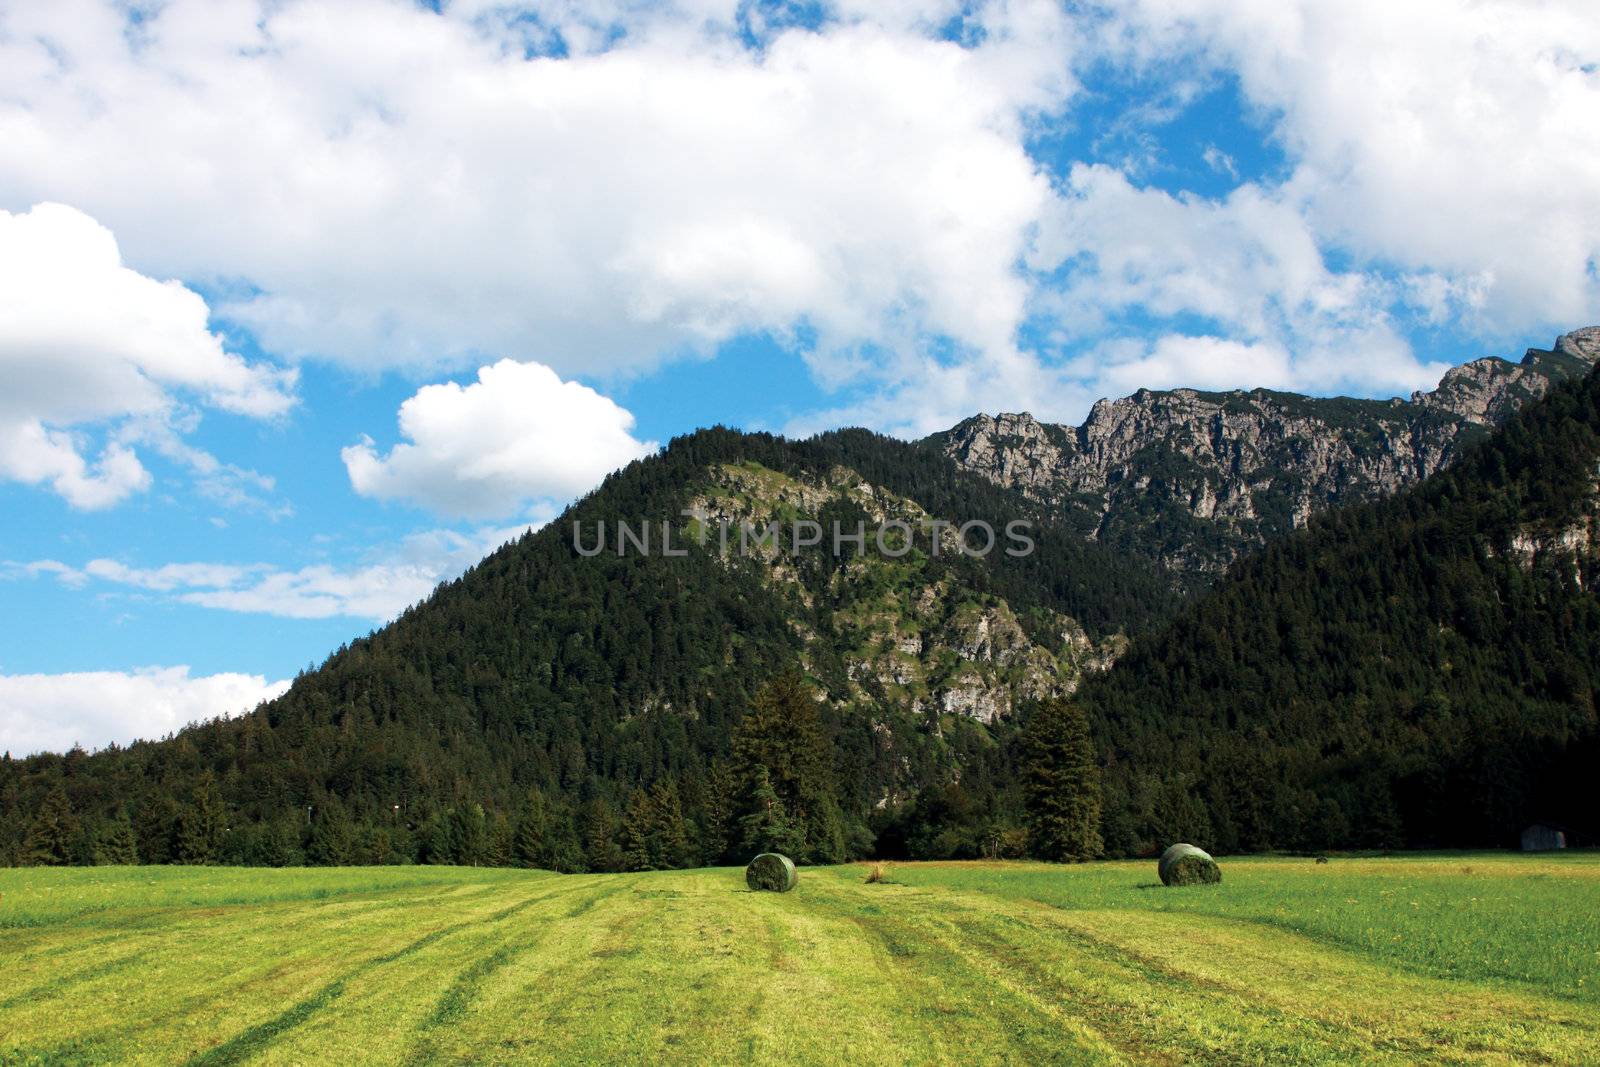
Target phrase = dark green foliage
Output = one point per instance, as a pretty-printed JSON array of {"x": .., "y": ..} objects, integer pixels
[
  {"x": 53, "y": 836},
  {"x": 333, "y": 838},
  {"x": 771, "y": 873},
  {"x": 1061, "y": 783},
  {"x": 781, "y": 759},
  {"x": 1187, "y": 865},
  {"x": 202, "y": 823},
  {"x": 117, "y": 843},
  {"x": 767, "y": 824},
  {"x": 1393, "y": 675},
  {"x": 601, "y": 850},
  {"x": 585, "y": 679},
  {"x": 1403, "y": 674},
  {"x": 654, "y": 836}
]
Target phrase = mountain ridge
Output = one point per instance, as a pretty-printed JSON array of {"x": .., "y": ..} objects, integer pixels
[{"x": 1191, "y": 479}]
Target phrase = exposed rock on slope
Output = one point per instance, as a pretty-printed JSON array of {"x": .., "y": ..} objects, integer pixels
[
  {"x": 909, "y": 639},
  {"x": 1191, "y": 479}
]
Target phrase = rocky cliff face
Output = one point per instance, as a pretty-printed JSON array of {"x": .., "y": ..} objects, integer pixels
[
  {"x": 906, "y": 640},
  {"x": 1191, "y": 479}
]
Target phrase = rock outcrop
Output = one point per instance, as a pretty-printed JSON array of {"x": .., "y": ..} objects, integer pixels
[{"x": 1191, "y": 479}]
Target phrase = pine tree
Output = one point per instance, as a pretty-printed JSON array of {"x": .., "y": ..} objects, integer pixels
[
  {"x": 497, "y": 852},
  {"x": 637, "y": 822},
  {"x": 668, "y": 835},
  {"x": 333, "y": 838},
  {"x": 53, "y": 833},
  {"x": 1061, "y": 783},
  {"x": 528, "y": 846},
  {"x": 717, "y": 822},
  {"x": 472, "y": 829},
  {"x": 202, "y": 823},
  {"x": 781, "y": 734},
  {"x": 767, "y": 826},
  {"x": 117, "y": 844},
  {"x": 601, "y": 851}
]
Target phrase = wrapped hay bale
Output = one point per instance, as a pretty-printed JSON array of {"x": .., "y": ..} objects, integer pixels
[
  {"x": 770, "y": 872},
  {"x": 1186, "y": 865}
]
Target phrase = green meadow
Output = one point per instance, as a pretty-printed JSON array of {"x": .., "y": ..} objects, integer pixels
[{"x": 1481, "y": 958}]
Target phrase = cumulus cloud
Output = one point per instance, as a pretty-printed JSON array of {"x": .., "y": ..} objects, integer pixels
[
  {"x": 483, "y": 450},
  {"x": 86, "y": 342},
  {"x": 605, "y": 187},
  {"x": 53, "y": 712},
  {"x": 593, "y": 188},
  {"x": 1249, "y": 265},
  {"x": 378, "y": 591},
  {"x": 1436, "y": 135}
]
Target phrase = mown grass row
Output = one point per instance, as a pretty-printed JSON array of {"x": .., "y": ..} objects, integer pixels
[{"x": 943, "y": 963}]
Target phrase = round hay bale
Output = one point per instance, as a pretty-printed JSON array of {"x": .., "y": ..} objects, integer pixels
[
  {"x": 1186, "y": 865},
  {"x": 770, "y": 872}
]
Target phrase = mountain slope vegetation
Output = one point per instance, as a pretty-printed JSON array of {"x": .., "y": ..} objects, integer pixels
[
  {"x": 1420, "y": 671},
  {"x": 584, "y": 712},
  {"x": 1191, "y": 480},
  {"x": 1416, "y": 671}
]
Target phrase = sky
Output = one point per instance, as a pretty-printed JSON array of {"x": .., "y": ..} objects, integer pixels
[{"x": 306, "y": 306}]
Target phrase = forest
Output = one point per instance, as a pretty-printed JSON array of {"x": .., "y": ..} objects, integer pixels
[{"x": 1421, "y": 671}]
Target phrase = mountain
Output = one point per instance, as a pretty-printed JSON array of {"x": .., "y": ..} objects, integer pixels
[
  {"x": 587, "y": 694},
  {"x": 1420, "y": 671},
  {"x": 574, "y": 701},
  {"x": 1191, "y": 480}
]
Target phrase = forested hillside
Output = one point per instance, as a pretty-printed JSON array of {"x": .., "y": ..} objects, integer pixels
[
  {"x": 1421, "y": 671},
  {"x": 576, "y": 712},
  {"x": 1417, "y": 671}
]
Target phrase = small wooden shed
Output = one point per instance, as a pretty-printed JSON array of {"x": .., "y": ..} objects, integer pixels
[{"x": 1542, "y": 837}]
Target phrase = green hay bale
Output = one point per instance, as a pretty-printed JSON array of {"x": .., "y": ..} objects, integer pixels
[
  {"x": 1187, "y": 865},
  {"x": 771, "y": 873}
]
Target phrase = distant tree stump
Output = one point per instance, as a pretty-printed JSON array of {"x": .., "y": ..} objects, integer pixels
[
  {"x": 1186, "y": 865},
  {"x": 770, "y": 872}
]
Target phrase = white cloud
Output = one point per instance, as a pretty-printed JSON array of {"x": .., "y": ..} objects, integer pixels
[
  {"x": 604, "y": 187},
  {"x": 1191, "y": 362},
  {"x": 86, "y": 342},
  {"x": 399, "y": 187},
  {"x": 379, "y": 590},
  {"x": 1434, "y": 135},
  {"x": 52, "y": 712},
  {"x": 1248, "y": 264},
  {"x": 518, "y": 433}
]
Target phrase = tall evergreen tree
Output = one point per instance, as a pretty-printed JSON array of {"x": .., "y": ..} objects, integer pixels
[
  {"x": 333, "y": 838},
  {"x": 54, "y": 832},
  {"x": 602, "y": 852},
  {"x": 117, "y": 843},
  {"x": 637, "y": 818},
  {"x": 767, "y": 826},
  {"x": 1061, "y": 783},
  {"x": 528, "y": 845},
  {"x": 202, "y": 823}
]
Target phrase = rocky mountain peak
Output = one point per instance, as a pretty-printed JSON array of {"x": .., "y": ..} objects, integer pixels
[
  {"x": 1583, "y": 344},
  {"x": 1193, "y": 478}
]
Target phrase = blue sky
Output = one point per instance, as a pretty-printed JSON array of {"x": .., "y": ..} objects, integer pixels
[{"x": 304, "y": 306}]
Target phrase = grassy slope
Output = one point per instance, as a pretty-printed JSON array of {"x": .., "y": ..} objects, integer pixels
[{"x": 961, "y": 963}]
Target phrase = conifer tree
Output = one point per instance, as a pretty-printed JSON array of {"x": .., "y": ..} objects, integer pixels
[
  {"x": 1061, "y": 784},
  {"x": 117, "y": 844},
  {"x": 528, "y": 846},
  {"x": 333, "y": 838},
  {"x": 767, "y": 826},
  {"x": 53, "y": 833},
  {"x": 600, "y": 847},
  {"x": 668, "y": 834},
  {"x": 636, "y": 820},
  {"x": 202, "y": 823}
]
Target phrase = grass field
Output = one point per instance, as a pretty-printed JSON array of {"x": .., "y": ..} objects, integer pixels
[{"x": 1455, "y": 959}]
